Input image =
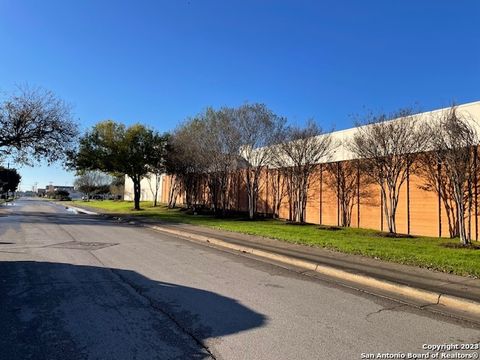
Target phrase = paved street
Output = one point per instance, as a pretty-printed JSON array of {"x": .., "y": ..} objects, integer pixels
[{"x": 80, "y": 287}]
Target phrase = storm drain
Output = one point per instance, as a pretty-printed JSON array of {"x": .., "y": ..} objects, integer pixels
[{"x": 80, "y": 245}]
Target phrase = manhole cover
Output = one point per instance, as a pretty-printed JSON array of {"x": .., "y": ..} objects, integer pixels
[{"x": 80, "y": 245}]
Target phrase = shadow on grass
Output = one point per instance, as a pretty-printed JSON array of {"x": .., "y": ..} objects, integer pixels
[{"x": 461, "y": 246}]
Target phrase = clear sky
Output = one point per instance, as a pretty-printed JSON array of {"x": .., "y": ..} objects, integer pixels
[{"x": 158, "y": 62}]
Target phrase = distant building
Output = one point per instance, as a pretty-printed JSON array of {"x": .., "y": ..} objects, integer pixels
[
  {"x": 53, "y": 188},
  {"x": 420, "y": 212}
]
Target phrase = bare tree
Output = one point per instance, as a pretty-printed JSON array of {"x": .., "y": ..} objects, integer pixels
[
  {"x": 453, "y": 144},
  {"x": 35, "y": 125},
  {"x": 173, "y": 192},
  {"x": 344, "y": 179},
  {"x": 389, "y": 146},
  {"x": 157, "y": 166},
  {"x": 299, "y": 155},
  {"x": 279, "y": 189},
  {"x": 154, "y": 180},
  {"x": 259, "y": 128},
  {"x": 89, "y": 182},
  {"x": 187, "y": 162},
  {"x": 221, "y": 143},
  {"x": 436, "y": 180},
  {"x": 117, "y": 187}
]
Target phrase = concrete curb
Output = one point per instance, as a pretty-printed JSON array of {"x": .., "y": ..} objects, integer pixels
[
  {"x": 451, "y": 302},
  {"x": 432, "y": 298},
  {"x": 80, "y": 210}
]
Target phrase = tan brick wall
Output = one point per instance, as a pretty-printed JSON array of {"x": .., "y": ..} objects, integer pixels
[{"x": 424, "y": 219}]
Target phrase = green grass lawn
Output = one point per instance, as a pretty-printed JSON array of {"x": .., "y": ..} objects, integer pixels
[{"x": 421, "y": 251}]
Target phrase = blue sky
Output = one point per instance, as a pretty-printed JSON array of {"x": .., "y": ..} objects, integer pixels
[{"x": 158, "y": 62}]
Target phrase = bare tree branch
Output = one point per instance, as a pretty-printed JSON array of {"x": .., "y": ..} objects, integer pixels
[
  {"x": 298, "y": 157},
  {"x": 389, "y": 146},
  {"x": 453, "y": 141},
  {"x": 35, "y": 125}
]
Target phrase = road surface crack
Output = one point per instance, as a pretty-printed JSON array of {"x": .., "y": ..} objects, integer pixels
[{"x": 391, "y": 308}]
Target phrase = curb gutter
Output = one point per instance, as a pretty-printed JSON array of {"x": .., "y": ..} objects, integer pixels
[
  {"x": 430, "y": 297},
  {"x": 81, "y": 211},
  {"x": 451, "y": 302}
]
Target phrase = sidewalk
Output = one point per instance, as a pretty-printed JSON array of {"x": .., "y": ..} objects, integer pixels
[{"x": 442, "y": 292}]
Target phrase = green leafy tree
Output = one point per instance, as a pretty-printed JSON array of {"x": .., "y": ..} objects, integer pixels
[
  {"x": 113, "y": 148},
  {"x": 9, "y": 180}
]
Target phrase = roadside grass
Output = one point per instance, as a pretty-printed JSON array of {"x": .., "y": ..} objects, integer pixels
[{"x": 433, "y": 253}]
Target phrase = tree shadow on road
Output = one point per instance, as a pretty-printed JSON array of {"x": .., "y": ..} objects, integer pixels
[{"x": 65, "y": 311}]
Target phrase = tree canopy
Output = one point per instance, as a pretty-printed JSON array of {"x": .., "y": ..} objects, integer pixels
[
  {"x": 35, "y": 125},
  {"x": 113, "y": 148},
  {"x": 389, "y": 146},
  {"x": 9, "y": 180}
]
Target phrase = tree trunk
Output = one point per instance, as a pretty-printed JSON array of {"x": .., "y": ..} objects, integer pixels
[
  {"x": 172, "y": 193},
  {"x": 136, "y": 192},
  {"x": 304, "y": 205},
  {"x": 385, "y": 207},
  {"x": 251, "y": 214},
  {"x": 451, "y": 217},
  {"x": 461, "y": 225},
  {"x": 250, "y": 185},
  {"x": 252, "y": 190},
  {"x": 155, "y": 198},
  {"x": 461, "y": 219},
  {"x": 393, "y": 210},
  {"x": 154, "y": 193},
  {"x": 389, "y": 208}
]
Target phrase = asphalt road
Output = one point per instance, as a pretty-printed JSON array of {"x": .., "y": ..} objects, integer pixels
[{"x": 80, "y": 287}]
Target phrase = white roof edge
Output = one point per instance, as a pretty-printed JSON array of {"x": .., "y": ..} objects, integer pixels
[
  {"x": 460, "y": 106},
  {"x": 341, "y": 153}
]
